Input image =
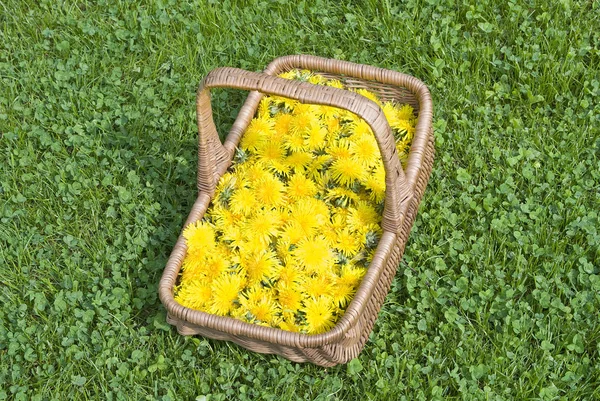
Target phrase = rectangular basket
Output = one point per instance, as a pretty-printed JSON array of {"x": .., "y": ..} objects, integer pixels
[{"x": 404, "y": 190}]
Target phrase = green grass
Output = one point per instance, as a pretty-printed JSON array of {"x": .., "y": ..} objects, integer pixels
[{"x": 498, "y": 296}]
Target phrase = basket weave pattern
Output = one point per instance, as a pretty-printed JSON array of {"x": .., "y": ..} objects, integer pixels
[{"x": 404, "y": 190}]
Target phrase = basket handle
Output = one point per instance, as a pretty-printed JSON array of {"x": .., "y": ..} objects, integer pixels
[{"x": 213, "y": 157}]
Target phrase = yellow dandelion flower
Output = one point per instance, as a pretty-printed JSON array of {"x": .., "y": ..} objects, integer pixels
[
  {"x": 340, "y": 149},
  {"x": 264, "y": 312},
  {"x": 263, "y": 225},
  {"x": 346, "y": 171},
  {"x": 226, "y": 185},
  {"x": 275, "y": 138},
  {"x": 362, "y": 216},
  {"x": 329, "y": 113},
  {"x": 258, "y": 130},
  {"x": 368, "y": 256},
  {"x": 260, "y": 304},
  {"x": 289, "y": 326},
  {"x": 352, "y": 275},
  {"x": 194, "y": 294},
  {"x": 282, "y": 248},
  {"x": 214, "y": 266},
  {"x": 369, "y": 95},
  {"x": 280, "y": 215},
  {"x": 403, "y": 148},
  {"x": 348, "y": 242},
  {"x": 293, "y": 232},
  {"x": 342, "y": 294},
  {"x": 270, "y": 191},
  {"x": 193, "y": 267},
  {"x": 260, "y": 266},
  {"x": 243, "y": 201},
  {"x": 301, "y": 123},
  {"x": 298, "y": 160},
  {"x": 318, "y": 315},
  {"x": 264, "y": 107},
  {"x": 323, "y": 181},
  {"x": 271, "y": 150},
  {"x": 253, "y": 172},
  {"x": 404, "y": 126},
  {"x": 254, "y": 293},
  {"x": 223, "y": 251},
  {"x": 360, "y": 129},
  {"x": 331, "y": 228},
  {"x": 342, "y": 197},
  {"x": 282, "y": 123},
  {"x": 320, "y": 209},
  {"x": 346, "y": 284},
  {"x": 289, "y": 275},
  {"x": 300, "y": 219},
  {"x": 365, "y": 150},
  {"x": 314, "y": 255},
  {"x": 222, "y": 217},
  {"x": 314, "y": 138},
  {"x": 289, "y": 297},
  {"x": 318, "y": 163},
  {"x": 288, "y": 103},
  {"x": 276, "y": 321},
  {"x": 294, "y": 141},
  {"x": 253, "y": 243},
  {"x": 200, "y": 238},
  {"x": 391, "y": 114},
  {"x": 272, "y": 154},
  {"x": 335, "y": 83},
  {"x": 289, "y": 322},
  {"x": 288, "y": 74},
  {"x": 299, "y": 187},
  {"x": 234, "y": 236},
  {"x": 240, "y": 313},
  {"x": 236, "y": 260},
  {"x": 309, "y": 213},
  {"x": 279, "y": 167},
  {"x": 375, "y": 184},
  {"x": 225, "y": 290},
  {"x": 316, "y": 79},
  {"x": 318, "y": 285},
  {"x": 405, "y": 112},
  {"x": 340, "y": 212},
  {"x": 333, "y": 125},
  {"x": 310, "y": 109}
]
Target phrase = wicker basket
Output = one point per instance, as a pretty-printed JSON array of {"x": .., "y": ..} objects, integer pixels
[{"x": 404, "y": 190}]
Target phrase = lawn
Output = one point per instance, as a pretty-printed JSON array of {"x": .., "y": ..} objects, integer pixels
[{"x": 498, "y": 295}]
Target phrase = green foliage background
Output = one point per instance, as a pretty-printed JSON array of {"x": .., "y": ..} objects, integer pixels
[{"x": 498, "y": 296}]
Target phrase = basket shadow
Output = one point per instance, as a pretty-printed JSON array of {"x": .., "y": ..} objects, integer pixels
[{"x": 171, "y": 161}]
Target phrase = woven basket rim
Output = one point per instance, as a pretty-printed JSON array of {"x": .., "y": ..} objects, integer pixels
[{"x": 237, "y": 327}]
